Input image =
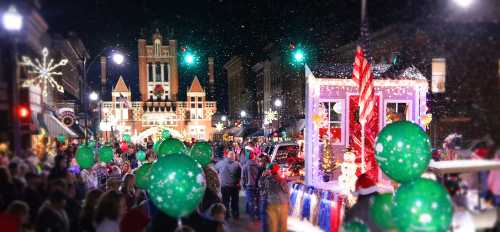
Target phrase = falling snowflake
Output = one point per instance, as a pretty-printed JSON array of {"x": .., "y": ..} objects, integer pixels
[
  {"x": 44, "y": 72},
  {"x": 270, "y": 116},
  {"x": 219, "y": 126}
]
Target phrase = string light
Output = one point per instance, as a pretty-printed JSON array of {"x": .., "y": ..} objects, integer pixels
[{"x": 44, "y": 72}]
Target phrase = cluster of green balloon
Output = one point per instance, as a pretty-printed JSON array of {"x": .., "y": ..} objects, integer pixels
[
  {"x": 61, "y": 138},
  {"x": 142, "y": 175},
  {"x": 176, "y": 184},
  {"x": 85, "y": 156},
  {"x": 201, "y": 152},
  {"x": 171, "y": 146},
  {"x": 403, "y": 152},
  {"x": 354, "y": 226},
  {"x": 106, "y": 154},
  {"x": 126, "y": 138},
  {"x": 140, "y": 155}
]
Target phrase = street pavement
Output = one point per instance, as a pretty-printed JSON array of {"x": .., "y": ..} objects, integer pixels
[{"x": 245, "y": 223}]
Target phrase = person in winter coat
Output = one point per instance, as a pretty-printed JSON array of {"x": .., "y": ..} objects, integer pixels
[
  {"x": 230, "y": 174},
  {"x": 274, "y": 189},
  {"x": 249, "y": 178}
]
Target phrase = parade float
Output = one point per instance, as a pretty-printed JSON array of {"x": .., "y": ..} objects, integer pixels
[{"x": 332, "y": 131}]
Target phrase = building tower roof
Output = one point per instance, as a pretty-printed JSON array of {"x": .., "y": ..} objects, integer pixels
[
  {"x": 121, "y": 86},
  {"x": 196, "y": 86}
]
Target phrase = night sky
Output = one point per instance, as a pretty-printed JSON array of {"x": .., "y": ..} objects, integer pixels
[{"x": 222, "y": 28}]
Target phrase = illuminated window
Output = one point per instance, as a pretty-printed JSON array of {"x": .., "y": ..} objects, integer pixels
[
  {"x": 396, "y": 111},
  {"x": 438, "y": 75},
  {"x": 332, "y": 120}
]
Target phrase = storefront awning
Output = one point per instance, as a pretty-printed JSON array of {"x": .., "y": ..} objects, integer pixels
[{"x": 56, "y": 127}]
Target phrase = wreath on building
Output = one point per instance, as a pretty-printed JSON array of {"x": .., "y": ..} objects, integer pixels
[{"x": 158, "y": 91}]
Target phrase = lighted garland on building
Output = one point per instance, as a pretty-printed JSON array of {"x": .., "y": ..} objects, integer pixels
[{"x": 44, "y": 72}]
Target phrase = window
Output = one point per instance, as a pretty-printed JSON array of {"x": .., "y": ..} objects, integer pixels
[
  {"x": 150, "y": 71},
  {"x": 157, "y": 49},
  {"x": 192, "y": 105},
  {"x": 438, "y": 75},
  {"x": 192, "y": 99},
  {"x": 332, "y": 120},
  {"x": 200, "y": 105},
  {"x": 199, "y": 99},
  {"x": 395, "y": 111},
  {"x": 117, "y": 105},
  {"x": 158, "y": 73}
]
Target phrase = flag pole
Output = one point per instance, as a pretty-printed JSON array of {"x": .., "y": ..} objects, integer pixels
[{"x": 363, "y": 164}]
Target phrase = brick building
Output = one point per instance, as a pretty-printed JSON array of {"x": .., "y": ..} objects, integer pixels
[{"x": 158, "y": 107}]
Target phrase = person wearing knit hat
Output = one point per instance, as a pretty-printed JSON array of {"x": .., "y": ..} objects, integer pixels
[{"x": 366, "y": 190}]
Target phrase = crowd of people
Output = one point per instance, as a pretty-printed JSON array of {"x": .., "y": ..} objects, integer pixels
[{"x": 51, "y": 193}]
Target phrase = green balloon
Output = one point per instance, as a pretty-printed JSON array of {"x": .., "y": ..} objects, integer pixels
[
  {"x": 201, "y": 152},
  {"x": 171, "y": 146},
  {"x": 142, "y": 175},
  {"x": 91, "y": 143},
  {"x": 422, "y": 205},
  {"x": 61, "y": 138},
  {"x": 380, "y": 210},
  {"x": 106, "y": 154},
  {"x": 354, "y": 226},
  {"x": 403, "y": 151},
  {"x": 85, "y": 157},
  {"x": 177, "y": 185},
  {"x": 156, "y": 146},
  {"x": 165, "y": 134},
  {"x": 126, "y": 138},
  {"x": 140, "y": 155}
]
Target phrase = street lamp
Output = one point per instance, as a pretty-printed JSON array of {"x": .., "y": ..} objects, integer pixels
[
  {"x": 223, "y": 118},
  {"x": 278, "y": 103},
  {"x": 243, "y": 114},
  {"x": 118, "y": 58},
  {"x": 464, "y": 3},
  {"x": 93, "y": 96},
  {"x": 12, "y": 20}
]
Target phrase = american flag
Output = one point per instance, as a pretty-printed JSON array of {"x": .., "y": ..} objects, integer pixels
[
  {"x": 124, "y": 101},
  {"x": 363, "y": 76}
]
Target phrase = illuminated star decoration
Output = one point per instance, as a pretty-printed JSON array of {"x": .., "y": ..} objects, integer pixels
[
  {"x": 44, "y": 72},
  {"x": 219, "y": 126},
  {"x": 270, "y": 116}
]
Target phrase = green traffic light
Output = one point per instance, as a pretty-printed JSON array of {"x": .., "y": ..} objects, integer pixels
[
  {"x": 298, "y": 55},
  {"x": 189, "y": 58}
]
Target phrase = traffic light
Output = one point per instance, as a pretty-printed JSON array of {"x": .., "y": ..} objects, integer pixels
[
  {"x": 23, "y": 113},
  {"x": 298, "y": 55},
  {"x": 189, "y": 57}
]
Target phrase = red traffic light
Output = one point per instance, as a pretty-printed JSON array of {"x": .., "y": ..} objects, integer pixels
[{"x": 23, "y": 112}]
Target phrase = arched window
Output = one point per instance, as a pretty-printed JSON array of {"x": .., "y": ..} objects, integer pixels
[{"x": 157, "y": 48}]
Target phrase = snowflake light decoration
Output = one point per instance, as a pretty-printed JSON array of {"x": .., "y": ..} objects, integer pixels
[
  {"x": 44, "y": 72},
  {"x": 270, "y": 116},
  {"x": 219, "y": 126}
]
